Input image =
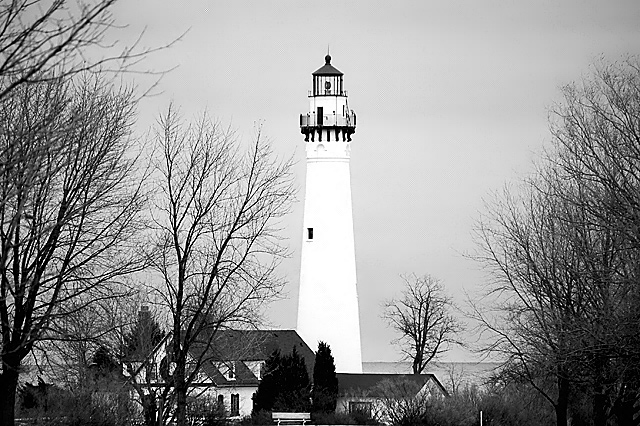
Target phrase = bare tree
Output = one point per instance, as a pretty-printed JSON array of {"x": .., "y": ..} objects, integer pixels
[
  {"x": 532, "y": 298},
  {"x": 217, "y": 237},
  {"x": 45, "y": 39},
  {"x": 424, "y": 320},
  {"x": 67, "y": 352},
  {"x": 563, "y": 255},
  {"x": 69, "y": 220},
  {"x": 596, "y": 136},
  {"x": 455, "y": 379}
]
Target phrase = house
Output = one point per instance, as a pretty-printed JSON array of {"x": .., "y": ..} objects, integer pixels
[
  {"x": 371, "y": 393},
  {"x": 230, "y": 367}
]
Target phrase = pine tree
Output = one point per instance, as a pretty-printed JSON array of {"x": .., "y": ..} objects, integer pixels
[
  {"x": 267, "y": 389},
  {"x": 104, "y": 366},
  {"x": 325, "y": 382},
  {"x": 284, "y": 385},
  {"x": 104, "y": 361},
  {"x": 144, "y": 336}
]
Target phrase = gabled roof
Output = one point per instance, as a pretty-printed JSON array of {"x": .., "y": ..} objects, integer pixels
[
  {"x": 240, "y": 346},
  {"x": 368, "y": 383},
  {"x": 243, "y": 376},
  {"x": 253, "y": 345},
  {"x": 237, "y": 348}
]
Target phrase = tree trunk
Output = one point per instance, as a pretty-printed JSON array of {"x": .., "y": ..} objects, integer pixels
[
  {"x": 599, "y": 406},
  {"x": 150, "y": 410},
  {"x": 181, "y": 405},
  {"x": 8, "y": 388},
  {"x": 160, "y": 420},
  {"x": 600, "y": 398},
  {"x": 563, "y": 402},
  {"x": 181, "y": 390},
  {"x": 624, "y": 408}
]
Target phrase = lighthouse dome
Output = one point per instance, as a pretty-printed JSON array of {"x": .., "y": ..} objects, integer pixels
[{"x": 327, "y": 68}]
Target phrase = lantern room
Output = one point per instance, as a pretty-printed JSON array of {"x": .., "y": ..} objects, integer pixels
[
  {"x": 327, "y": 80},
  {"x": 329, "y": 117}
]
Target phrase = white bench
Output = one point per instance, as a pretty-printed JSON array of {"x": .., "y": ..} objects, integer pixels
[{"x": 291, "y": 418}]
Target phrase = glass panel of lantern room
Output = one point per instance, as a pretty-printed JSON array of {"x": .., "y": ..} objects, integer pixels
[{"x": 327, "y": 86}]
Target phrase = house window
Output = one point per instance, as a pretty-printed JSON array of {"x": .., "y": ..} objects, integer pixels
[
  {"x": 310, "y": 233},
  {"x": 221, "y": 401},
  {"x": 360, "y": 408},
  {"x": 231, "y": 371},
  {"x": 152, "y": 371},
  {"x": 235, "y": 404}
]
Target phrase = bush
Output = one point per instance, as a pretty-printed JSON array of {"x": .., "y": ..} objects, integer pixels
[
  {"x": 460, "y": 409},
  {"x": 205, "y": 411},
  {"x": 501, "y": 406},
  {"x": 50, "y": 405},
  {"x": 324, "y": 418},
  {"x": 263, "y": 417},
  {"x": 260, "y": 417}
]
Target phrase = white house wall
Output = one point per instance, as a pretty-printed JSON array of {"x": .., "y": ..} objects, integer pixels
[{"x": 245, "y": 394}]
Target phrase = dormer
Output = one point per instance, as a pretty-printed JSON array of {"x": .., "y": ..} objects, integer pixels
[{"x": 228, "y": 370}]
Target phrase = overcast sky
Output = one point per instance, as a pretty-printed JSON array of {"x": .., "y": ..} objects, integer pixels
[{"x": 451, "y": 97}]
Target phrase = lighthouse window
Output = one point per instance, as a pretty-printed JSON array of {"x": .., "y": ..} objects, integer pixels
[{"x": 310, "y": 233}]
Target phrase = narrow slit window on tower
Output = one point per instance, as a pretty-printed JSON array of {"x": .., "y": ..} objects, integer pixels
[{"x": 310, "y": 233}]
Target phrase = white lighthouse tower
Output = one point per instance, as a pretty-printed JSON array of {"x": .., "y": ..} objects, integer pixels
[{"x": 328, "y": 299}]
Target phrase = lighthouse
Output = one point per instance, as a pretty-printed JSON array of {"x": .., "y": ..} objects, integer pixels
[{"x": 328, "y": 297}]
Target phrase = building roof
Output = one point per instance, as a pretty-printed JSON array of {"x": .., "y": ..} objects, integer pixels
[
  {"x": 256, "y": 345},
  {"x": 368, "y": 383},
  {"x": 327, "y": 68},
  {"x": 238, "y": 349},
  {"x": 242, "y": 346}
]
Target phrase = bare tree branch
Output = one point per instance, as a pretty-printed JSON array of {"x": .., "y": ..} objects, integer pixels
[
  {"x": 216, "y": 236},
  {"x": 49, "y": 39},
  {"x": 422, "y": 317},
  {"x": 70, "y": 216},
  {"x": 563, "y": 254}
]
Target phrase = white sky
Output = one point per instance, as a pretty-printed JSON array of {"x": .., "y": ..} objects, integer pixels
[{"x": 451, "y": 98}]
